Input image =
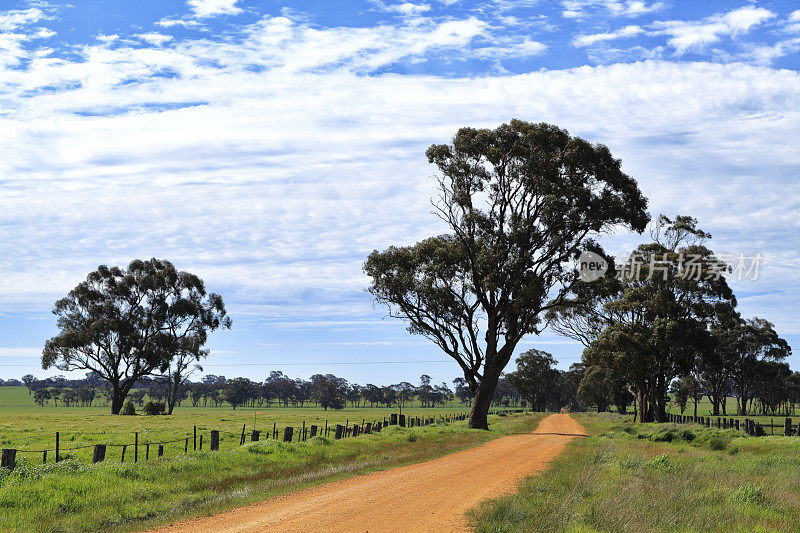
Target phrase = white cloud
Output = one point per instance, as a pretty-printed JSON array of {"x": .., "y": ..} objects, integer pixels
[
  {"x": 154, "y": 38},
  {"x": 409, "y": 9},
  {"x": 11, "y": 20},
  {"x": 214, "y": 8},
  {"x": 687, "y": 36},
  {"x": 275, "y": 183},
  {"x": 507, "y": 48},
  {"x": 588, "y": 40},
  {"x": 575, "y": 9}
]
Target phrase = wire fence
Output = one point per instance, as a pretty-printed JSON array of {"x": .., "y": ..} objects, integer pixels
[
  {"x": 195, "y": 441},
  {"x": 747, "y": 426}
]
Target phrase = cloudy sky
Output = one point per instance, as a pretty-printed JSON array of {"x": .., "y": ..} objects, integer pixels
[{"x": 270, "y": 146}]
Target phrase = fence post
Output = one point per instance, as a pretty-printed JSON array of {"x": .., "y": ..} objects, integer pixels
[
  {"x": 147, "y": 452},
  {"x": 57, "y": 443},
  {"x": 368, "y": 428},
  {"x": 287, "y": 434},
  {"x": 255, "y": 436},
  {"x": 787, "y": 426},
  {"x": 736, "y": 424},
  {"x": 201, "y": 442},
  {"x": 186, "y": 446},
  {"x": 194, "y": 441},
  {"x": 124, "y": 447},
  {"x": 99, "y": 453},
  {"x": 214, "y": 440},
  {"x": 136, "y": 447},
  {"x": 339, "y": 431},
  {"x": 303, "y": 432},
  {"x": 44, "y": 457},
  {"x": 160, "y": 450},
  {"x": 312, "y": 431},
  {"x": 8, "y": 458},
  {"x": 402, "y": 421}
]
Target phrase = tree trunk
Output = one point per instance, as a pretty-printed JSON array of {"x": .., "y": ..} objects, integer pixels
[
  {"x": 480, "y": 407},
  {"x": 117, "y": 397}
]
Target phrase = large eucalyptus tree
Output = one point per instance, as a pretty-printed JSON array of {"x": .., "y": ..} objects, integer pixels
[{"x": 521, "y": 202}]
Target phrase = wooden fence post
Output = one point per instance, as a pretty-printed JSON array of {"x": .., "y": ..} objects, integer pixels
[
  {"x": 201, "y": 442},
  {"x": 393, "y": 419},
  {"x": 339, "y": 431},
  {"x": 44, "y": 457},
  {"x": 99, "y": 453},
  {"x": 194, "y": 440},
  {"x": 787, "y": 426},
  {"x": 214, "y": 440},
  {"x": 136, "y": 447},
  {"x": 736, "y": 424},
  {"x": 303, "y": 432},
  {"x": 402, "y": 421},
  {"x": 241, "y": 439},
  {"x": 255, "y": 436},
  {"x": 186, "y": 446},
  {"x": 368, "y": 428},
  {"x": 8, "y": 458},
  {"x": 57, "y": 439},
  {"x": 287, "y": 434},
  {"x": 312, "y": 431},
  {"x": 147, "y": 452},
  {"x": 160, "y": 450},
  {"x": 124, "y": 447}
]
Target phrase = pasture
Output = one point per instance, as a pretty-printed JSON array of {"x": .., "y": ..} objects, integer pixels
[
  {"x": 28, "y": 427},
  {"x": 75, "y": 495}
]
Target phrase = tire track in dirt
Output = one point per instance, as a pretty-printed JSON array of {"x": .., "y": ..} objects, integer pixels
[{"x": 428, "y": 496}]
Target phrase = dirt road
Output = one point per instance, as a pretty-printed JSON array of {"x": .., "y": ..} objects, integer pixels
[{"x": 429, "y": 496}]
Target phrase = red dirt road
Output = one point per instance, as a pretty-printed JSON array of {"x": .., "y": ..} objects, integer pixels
[{"x": 429, "y": 496}]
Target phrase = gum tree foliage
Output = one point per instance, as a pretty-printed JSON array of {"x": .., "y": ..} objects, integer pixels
[
  {"x": 328, "y": 391},
  {"x": 126, "y": 324},
  {"x": 656, "y": 325},
  {"x": 535, "y": 378},
  {"x": 756, "y": 342},
  {"x": 520, "y": 201}
]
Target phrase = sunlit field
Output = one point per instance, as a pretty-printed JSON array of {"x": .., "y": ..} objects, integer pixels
[{"x": 29, "y": 428}]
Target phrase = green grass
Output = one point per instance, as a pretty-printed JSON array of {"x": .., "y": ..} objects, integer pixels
[
  {"x": 704, "y": 408},
  {"x": 28, "y": 427},
  {"x": 77, "y": 496},
  {"x": 657, "y": 477}
]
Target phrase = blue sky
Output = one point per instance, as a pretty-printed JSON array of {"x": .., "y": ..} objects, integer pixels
[{"x": 270, "y": 146}]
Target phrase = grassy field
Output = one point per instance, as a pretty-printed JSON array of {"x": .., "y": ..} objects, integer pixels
[
  {"x": 657, "y": 477},
  {"x": 704, "y": 408},
  {"x": 75, "y": 495},
  {"x": 28, "y": 427}
]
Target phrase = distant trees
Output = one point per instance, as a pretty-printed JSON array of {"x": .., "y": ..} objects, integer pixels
[
  {"x": 534, "y": 377},
  {"x": 328, "y": 391},
  {"x": 127, "y": 324},
  {"x": 41, "y": 396},
  {"x": 29, "y": 380}
]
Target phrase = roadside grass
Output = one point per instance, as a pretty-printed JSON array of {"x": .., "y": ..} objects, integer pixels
[
  {"x": 109, "y": 496},
  {"x": 656, "y": 477}
]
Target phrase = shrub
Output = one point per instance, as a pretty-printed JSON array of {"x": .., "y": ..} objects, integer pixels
[
  {"x": 664, "y": 436},
  {"x": 129, "y": 409},
  {"x": 717, "y": 443},
  {"x": 154, "y": 408},
  {"x": 748, "y": 493},
  {"x": 687, "y": 435}
]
